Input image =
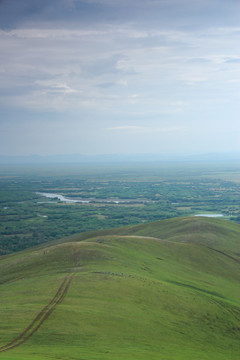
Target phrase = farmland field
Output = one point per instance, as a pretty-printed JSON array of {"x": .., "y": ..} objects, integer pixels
[{"x": 100, "y": 197}]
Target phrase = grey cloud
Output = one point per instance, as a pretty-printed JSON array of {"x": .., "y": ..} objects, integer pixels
[
  {"x": 185, "y": 14},
  {"x": 103, "y": 66},
  {"x": 17, "y": 90},
  {"x": 14, "y": 12},
  {"x": 65, "y": 63}
]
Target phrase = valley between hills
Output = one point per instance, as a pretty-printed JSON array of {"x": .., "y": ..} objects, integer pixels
[{"x": 164, "y": 290}]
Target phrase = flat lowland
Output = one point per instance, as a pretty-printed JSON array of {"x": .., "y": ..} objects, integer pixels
[{"x": 166, "y": 290}]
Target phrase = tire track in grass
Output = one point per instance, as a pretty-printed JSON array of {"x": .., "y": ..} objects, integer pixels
[{"x": 41, "y": 317}]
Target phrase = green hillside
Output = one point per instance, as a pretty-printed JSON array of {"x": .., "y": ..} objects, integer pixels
[{"x": 166, "y": 290}]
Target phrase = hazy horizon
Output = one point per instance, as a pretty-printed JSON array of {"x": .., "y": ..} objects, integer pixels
[
  {"x": 103, "y": 77},
  {"x": 91, "y": 159}
]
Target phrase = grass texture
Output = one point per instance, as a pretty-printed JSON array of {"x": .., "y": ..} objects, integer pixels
[{"x": 167, "y": 290}]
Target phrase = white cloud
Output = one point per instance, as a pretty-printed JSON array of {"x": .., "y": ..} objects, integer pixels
[
  {"x": 51, "y": 33},
  {"x": 145, "y": 129},
  {"x": 49, "y": 86}
]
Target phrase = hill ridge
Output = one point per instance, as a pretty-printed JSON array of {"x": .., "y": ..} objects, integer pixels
[{"x": 134, "y": 295}]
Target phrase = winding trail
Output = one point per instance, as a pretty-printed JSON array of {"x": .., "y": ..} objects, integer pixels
[{"x": 41, "y": 316}]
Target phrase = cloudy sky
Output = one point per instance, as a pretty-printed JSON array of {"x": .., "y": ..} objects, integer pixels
[{"x": 110, "y": 76}]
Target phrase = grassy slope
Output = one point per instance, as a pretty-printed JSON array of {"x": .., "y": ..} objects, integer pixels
[
  {"x": 216, "y": 233},
  {"x": 131, "y": 297}
]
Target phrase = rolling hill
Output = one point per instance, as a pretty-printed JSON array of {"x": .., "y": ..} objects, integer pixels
[{"x": 165, "y": 290}]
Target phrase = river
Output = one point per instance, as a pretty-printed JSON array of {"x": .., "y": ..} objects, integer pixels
[
  {"x": 91, "y": 200},
  {"x": 210, "y": 215}
]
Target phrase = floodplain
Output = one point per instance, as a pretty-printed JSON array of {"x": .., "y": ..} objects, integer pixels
[{"x": 105, "y": 196}]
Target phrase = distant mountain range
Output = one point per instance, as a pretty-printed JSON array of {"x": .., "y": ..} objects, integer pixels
[{"x": 116, "y": 158}]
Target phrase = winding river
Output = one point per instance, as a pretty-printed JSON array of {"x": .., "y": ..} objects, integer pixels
[{"x": 87, "y": 201}]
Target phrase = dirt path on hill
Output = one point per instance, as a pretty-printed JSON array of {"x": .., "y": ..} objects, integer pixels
[
  {"x": 141, "y": 237},
  {"x": 225, "y": 254},
  {"x": 41, "y": 316}
]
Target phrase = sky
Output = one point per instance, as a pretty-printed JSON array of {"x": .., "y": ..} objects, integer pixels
[{"x": 119, "y": 77}]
